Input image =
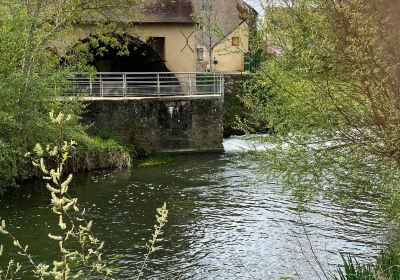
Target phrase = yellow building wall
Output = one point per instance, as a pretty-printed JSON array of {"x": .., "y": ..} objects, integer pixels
[
  {"x": 230, "y": 58},
  {"x": 180, "y": 42},
  {"x": 180, "y": 45}
]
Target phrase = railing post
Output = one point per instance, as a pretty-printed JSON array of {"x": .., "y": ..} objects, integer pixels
[
  {"x": 158, "y": 85},
  {"x": 195, "y": 83},
  {"x": 101, "y": 87},
  {"x": 190, "y": 84},
  {"x": 218, "y": 84},
  {"x": 222, "y": 85},
  {"x": 90, "y": 87},
  {"x": 215, "y": 83},
  {"x": 124, "y": 90}
]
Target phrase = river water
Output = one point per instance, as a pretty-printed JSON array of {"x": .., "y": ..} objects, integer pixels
[{"x": 225, "y": 221}]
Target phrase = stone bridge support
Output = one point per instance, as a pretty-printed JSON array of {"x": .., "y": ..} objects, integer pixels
[{"x": 161, "y": 125}]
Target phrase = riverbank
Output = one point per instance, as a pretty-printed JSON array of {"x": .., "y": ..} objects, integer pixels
[
  {"x": 95, "y": 152},
  {"x": 92, "y": 153}
]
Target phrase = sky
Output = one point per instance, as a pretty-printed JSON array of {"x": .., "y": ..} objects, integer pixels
[{"x": 257, "y": 5}]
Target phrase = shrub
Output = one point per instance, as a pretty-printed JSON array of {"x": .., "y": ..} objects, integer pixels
[
  {"x": 13, "y": 167},
  {"x": 8, "y": 171}
]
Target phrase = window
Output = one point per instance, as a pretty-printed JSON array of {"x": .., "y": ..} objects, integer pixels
[
  {"x": 158, "y": 44},
  {"x": 200, "y": 54},
  {"x": 235, "y": 41}
]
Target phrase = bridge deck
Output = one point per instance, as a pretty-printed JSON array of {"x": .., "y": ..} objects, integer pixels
[{"x": 169, "y": 97}]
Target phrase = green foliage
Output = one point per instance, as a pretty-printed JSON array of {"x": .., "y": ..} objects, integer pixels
[
  {"x": 387, "y": 267},
  {"x": 80, "y": 253},
  {"x": 103, "y": 134},
  {"x": 353, "y": 270},
  {"x": 241, "y": 113},
  {"x": 259, "y": 99},
  {"x": 13, "y": 166},
  {"x": 234, "y": 108},
  {"x": 29, "y": 74},
  {"x": 327, "y": 76},
  {"x": 34, "y": 72},
  {"x": 7, "y": 166},
  {"x": 331, "y": 97}
]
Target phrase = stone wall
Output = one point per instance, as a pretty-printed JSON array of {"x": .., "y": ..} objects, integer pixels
[{"x": 152, "y": 126}]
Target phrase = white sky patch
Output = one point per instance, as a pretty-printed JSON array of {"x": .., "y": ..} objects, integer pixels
[
  {"x": 260, "y": 5},
  {"x": 256, "y": 4}
]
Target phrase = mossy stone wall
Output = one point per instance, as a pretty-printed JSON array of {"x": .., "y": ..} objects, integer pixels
[{"x": 153, "y": 126}]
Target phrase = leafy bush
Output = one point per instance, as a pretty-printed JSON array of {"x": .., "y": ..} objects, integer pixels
[
  {"x": 14, "y": 168},
  {"x": 8, "y": 167},
  {"x": 337, "y": 116},
  {"x": 248, "y": 99}
]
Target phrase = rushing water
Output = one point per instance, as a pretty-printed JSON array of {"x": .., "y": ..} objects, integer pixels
[{"x": 225, "y": 221}]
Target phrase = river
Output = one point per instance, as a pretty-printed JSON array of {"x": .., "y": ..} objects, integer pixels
[{"x": 225, "y": 221}]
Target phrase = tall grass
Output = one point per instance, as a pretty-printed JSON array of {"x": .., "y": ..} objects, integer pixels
[{"x": 387, "y": 267}]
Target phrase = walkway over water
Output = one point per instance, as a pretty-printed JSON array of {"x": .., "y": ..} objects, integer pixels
[{"x": 165, "y": 85}]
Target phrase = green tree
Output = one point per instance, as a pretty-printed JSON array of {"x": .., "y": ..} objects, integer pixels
[
  {"x": 335, "y": 90},
  {"x": 31, "y": 75},
  {"x": 209, "y": 31}
]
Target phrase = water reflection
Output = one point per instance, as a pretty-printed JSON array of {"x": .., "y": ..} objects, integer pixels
[{"x": 225, "y": 222}]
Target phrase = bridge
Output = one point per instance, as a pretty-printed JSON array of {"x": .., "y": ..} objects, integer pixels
[
  {"x": 155, "y": 112},
  {"x": 147, "y": 85}
]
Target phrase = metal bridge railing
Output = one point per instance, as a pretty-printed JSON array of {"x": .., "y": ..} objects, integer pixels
[{"x": 113, "y": 84}]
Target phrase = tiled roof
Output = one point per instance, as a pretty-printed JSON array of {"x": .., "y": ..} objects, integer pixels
[
  {"x": 167, "y": 11},
  {"x": 148, "y": 11}
]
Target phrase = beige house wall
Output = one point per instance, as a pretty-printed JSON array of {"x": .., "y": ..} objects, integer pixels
[
  {"x": 230, "y": 58},
  {"x": 180, "y": 52},
  {"x": 180, "y": 45},
  {"x": 180, "y": 42}
]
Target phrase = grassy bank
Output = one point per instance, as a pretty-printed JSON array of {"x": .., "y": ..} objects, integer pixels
[
  {"x": 92, "y": 153},
  {"x": 95, "y": 152}
]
